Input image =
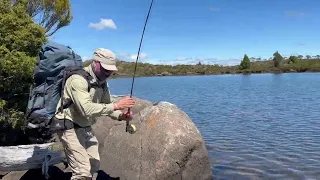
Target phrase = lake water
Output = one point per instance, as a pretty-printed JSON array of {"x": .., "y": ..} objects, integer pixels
[{"x": 262, "y": 126}]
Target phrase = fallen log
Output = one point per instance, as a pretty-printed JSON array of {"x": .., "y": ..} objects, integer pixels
[{"x": 25, "y": 157}]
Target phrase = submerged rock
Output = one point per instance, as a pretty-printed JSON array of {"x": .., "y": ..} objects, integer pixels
[{"x": 167, "y": 145}]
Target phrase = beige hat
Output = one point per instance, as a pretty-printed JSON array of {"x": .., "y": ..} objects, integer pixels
[{"x": 106, "y": 57}]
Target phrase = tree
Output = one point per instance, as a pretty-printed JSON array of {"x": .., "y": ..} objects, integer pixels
[
  {"x": 50, "y": 14},
  {"x": 300, "y": 56},
  {"x": 245, "y": 63},
  {"x": 20, "y": 42},
  {"x": 293, "y": 59},
  {"x": 277, "y": 59},
  {"x": 308, "y": 56}
]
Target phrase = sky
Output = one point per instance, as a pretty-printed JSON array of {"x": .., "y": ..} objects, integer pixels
[{"x": 189, "y": 31}]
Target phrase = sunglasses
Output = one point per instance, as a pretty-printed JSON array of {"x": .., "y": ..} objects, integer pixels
[{"x": 107, "y": 72}]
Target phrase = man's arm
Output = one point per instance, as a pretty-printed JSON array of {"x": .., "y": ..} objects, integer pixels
[
  {"x": 78, "y": 91},
  {"x": 107, "y": 98}
]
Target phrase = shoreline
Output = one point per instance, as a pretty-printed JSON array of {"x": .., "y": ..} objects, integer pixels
[
  {"x": 214, "y": 74},
  {"x": 257, "y": 67}
]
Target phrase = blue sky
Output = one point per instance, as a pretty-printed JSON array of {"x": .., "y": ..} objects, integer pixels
[{"x": 189, "y": 31}]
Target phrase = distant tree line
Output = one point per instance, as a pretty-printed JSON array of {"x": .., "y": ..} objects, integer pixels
[
  {"x": 281, "y": 64},
  {"x": 275, "y": 64}
]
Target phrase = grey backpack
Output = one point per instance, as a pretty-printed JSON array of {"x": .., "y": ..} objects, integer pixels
[{"x": 56, "y": 62}]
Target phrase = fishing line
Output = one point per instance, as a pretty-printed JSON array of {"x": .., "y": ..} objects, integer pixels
[{"x": 128, "y": 127}]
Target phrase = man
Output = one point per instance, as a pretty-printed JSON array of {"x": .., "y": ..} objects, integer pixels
[{"x": 81, "y": 145}]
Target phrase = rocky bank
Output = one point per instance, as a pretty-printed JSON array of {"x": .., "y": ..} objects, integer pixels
[{"x": 166, "y": 145}]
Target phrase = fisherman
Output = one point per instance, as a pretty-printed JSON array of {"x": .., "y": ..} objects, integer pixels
[{"x": 80, "y": 144}]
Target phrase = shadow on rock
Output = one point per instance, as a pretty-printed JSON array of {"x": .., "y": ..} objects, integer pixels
[
  {"x": 54, "y": 173},
  {"x": 104, "y": 176},
  {"x": 57, "y": 174}
]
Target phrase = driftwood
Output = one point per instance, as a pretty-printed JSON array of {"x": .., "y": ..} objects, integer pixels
[{"x": 25, "y": 157}]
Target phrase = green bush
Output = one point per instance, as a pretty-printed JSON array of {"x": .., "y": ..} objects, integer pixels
[{"x": 20, "y": 42}]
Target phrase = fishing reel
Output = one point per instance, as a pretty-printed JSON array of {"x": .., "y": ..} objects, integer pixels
[{"x": 131, "y": 128}]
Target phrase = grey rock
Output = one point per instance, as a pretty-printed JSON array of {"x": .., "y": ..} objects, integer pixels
[{"x": 167, "y": 145}]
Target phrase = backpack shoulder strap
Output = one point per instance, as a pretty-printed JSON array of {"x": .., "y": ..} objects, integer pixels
[
  {"x": 68, "y": 73},
  {"x": 85, "y": 75}
]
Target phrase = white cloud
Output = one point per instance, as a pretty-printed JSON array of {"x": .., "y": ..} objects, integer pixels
[
  {"x": 104, "y": 23},
  {"x": 131, "y": 57},
  {"x": 123, "y": 54},
  {"x": 142, "y": 56},
  {"x": 196, "y": 60}
]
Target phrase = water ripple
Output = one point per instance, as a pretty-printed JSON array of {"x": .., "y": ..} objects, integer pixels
[{"x": 255, "y": 127}]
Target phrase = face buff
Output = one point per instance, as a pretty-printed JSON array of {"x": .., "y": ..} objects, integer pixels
[{"x": 101, "y": 73}]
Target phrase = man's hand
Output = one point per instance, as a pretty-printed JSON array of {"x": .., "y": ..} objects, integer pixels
[
  {"x": 127, "y": 116},
  {"x": 123, "y": 103}
]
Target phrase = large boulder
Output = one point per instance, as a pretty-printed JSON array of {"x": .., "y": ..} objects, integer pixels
[{"x": 167, "y": 145}]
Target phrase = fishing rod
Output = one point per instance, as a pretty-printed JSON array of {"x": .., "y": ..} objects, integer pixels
[{"x": 132, "y": 128}]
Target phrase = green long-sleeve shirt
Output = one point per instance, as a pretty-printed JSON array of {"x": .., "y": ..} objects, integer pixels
[{"x": 87, "y": 106}]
